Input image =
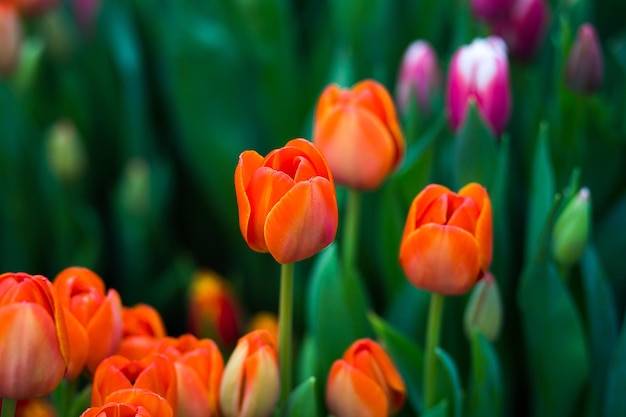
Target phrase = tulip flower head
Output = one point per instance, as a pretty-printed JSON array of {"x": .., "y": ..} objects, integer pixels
[
  {"x": 358, "y": 132},
  {"x": 364, "y": 382},
  {"x": 524, "y": 28},
  {"x": 142, "y": 328},
  {"x": 484, "y": 309},
  {"x": 419, "y": 76},
  {"x": 33, "y": 337},
  {"x": 287, "y": 201},
  {"x": 447, "y": 241},
  {"x": 10, "y": 38},
  {"x": 585, "y": 68},
  {"x": 132, "y": 402},
  {"x": 480, "y": 71},
  {"x": 250, "y": 383},
  {"x": 571, "y": 229}
]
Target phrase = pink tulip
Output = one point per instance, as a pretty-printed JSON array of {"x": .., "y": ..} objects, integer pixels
[
  {"x": 491, "y": 10},
  {"x": 524, "y": 28},
  {"x": 419, "y": 76},
  {"x": 585, "y": 68}
]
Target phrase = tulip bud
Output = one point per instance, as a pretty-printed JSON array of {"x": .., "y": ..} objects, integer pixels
[
  {"x": 65, "y": 152},
  {"x": 480, "y": 71},
  {"x": 214, "y": 311},
  {"x": 585, "y": 67},
  {"x": 484, "y": 309},
  {"x": 364, "y": 382},
  {"x": 251, "y": 383},
  {"x": 524, "y": 28},
  {"x": 10, "y": 38},
  {"x": 135, "y": 187},
  {"x": 491, "y": 10},
  {"x": 419, "y": 76},
  {"x": 143, "y": 328},
  {"x": 571, "y": 229}
]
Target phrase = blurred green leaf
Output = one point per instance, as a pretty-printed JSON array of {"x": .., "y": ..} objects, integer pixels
[
  {"x": 392, "y": 217},
  {"x": 439, "y": 410},
  {"x": 407, "y": 310},
  {"x": 614, "y": 398},
  {"x": 302, "y": 401},
  {"x": 485, "y": 387},
  {"x": 449, "y": 387}
]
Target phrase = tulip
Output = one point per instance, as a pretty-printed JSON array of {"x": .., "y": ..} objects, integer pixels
[
  {"x": 266, "y": 321},
  {"x": 214, "y": 311},
  {"x": 10, "y": 38},
  {"x": 491, "y": 10},
  {"x": 446, "y": 245},
  {"x": 287, "y": 202},
  {"x": 524, "y": 28},
  {"x": 142, "y": 329},
  {"x": 33, "y": 337},
  {"x": 571, "y": 229},
  {"x": 199, "y": 366},
  {"x": 130, "y": 403},
  {"x": 484, "y": 309},
  {"x": 358, "y": 132},
  {"x": 94, "y": 318},
  {"x": 419, "y": 76},
  {"x": 33, "y": 407},
  {"x": 154, "y": 373},
  {"x": 364, "y": 382},
  {"x": 250, "y": 383},
  {"x": 65, "y": 152},
  {"x": 585, "y": 67},
  {"x": 480, "y": 71}
]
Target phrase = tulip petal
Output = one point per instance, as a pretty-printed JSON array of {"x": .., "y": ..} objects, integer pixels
[
  {"x": 104, "y": 330},
  {"x": 314, "y": 155},
  {"x": 249, "y": 162},
  {"x": 420, "y": 205},
  {"x": 465, "y": 214},
  {"x": 351, "y": 393},
  {"x": 441, "y": 259},
  {"x": 193, "y": 395},
  {"x": 303, "y": 222},
  {"x": 78, "y": 346},
  {"x": 262, "y": 383},
  {"x": 484, "y": 223},
  {"x": 232, "y": 380},
  {"x": 328, "y": 99},
  {"x": 154, "y": 403}
]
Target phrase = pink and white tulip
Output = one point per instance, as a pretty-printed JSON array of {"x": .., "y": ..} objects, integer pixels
[{"x": 419, "y": 76}]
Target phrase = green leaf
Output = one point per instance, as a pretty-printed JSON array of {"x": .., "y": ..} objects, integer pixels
[
  {"x": 485, "y": 384},
  {"x": 450, "y": 386},
  {"x": 406, "y": 355},
  {"x": 407, "y": 311},
  {"x": 475, "y": 151},
  {"x": 556, "y": 347},
  {"x": 614, "y": 399},
  {"x": 439, "y": 410},
  {"x": 542, "y": 190},
  {"x": 302, "y": 401}
]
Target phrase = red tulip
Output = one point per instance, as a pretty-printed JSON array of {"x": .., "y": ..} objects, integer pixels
[
  {"x": 287, "y": 202},
  {"x": 447, "y": 241},
  {"x": 364, "y": 383},
  {"x": 142, "y": 329},
  {"x": 358, "y": 132},
  {"x": 33, "y": 337}
]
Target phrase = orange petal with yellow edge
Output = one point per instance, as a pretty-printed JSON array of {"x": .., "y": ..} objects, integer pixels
[
  {"x": 303, "y": 222},
  {"x": 262, "y": 386},
  {"x": 350, "y": 393},
  {"x": 441, "y": 259}
]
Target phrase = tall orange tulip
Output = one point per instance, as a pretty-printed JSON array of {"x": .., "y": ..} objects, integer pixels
[
  {"x": 199, "y": 366},
  {"x": 447, "y": 241},
  {"x": 93, "y": 316},
  {"x": 287, "y": 202},
  {"x": 142, "y": 328},
  {"x": 358, "y": 132},
  {"x": 364, "y": 383},
  {"x": 154, "y": 373},
  {"x": 33, "y": 337},
  {"x": 132, "y": 402}
]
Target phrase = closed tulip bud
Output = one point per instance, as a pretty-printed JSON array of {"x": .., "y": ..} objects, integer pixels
[
  {"x": 135, "y": 187},
  {"x": 491, "y": 10},
  {"x": 132, "y": 402},
  {"x": 142, "y": 329},
  {"x": 10, "y": 38},
  {"x": 65, "y": 152},
  {"x": 484, "y": 309},
  {"x": 585, "y": 68},
  {"x": 33, "y": 337},
  {"x": 287, "y": 201},
  {"x": 480, "y": 71},
  {"x": 524, "y": 28},
  {"x": 571, "y": 229},
  {"x": 250, "y": 383},
  {"x": 93, "y": 316},
  {"x": 199, "y": 366},
  {"x": 446, "y": 246},
  {"x": 364, "y": 382},
  {"x": 154, "y": 373},
  {"x": 358, "y": 132},
  {"x": 419, "y": 76},
  {"x": 213, "y": 311}
]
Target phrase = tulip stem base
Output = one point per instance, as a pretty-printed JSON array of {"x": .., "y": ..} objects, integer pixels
[
  {"x": 432, "y": 342},
  {"x": 285, "y": 319},
  {"x": 8, "y": 407},
  {"x": 351, "y": 229}
]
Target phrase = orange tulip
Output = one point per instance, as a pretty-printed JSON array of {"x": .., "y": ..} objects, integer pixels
[
  {"x": 199, "y": 366},
  {"x": 33, "y": 337},
  {"x": 214, "y": 311},
  {"x": 132, "y": 402},
  {"x": 94, "y": 319},
  {"x": 287, "y": 202},
  {"x": 447, "y": 241},
  {"x": 11, "y": 35},
  {"x": 154, "y": 373},
  {"x": 250, "y": 383},
  {"x": 264, "y": 320},
  {"x": 364, "y": 383},
  {"x": 358, "y": 132},
  {"x": 33, "y": 407},
  {"x": 142, "y": 329}
]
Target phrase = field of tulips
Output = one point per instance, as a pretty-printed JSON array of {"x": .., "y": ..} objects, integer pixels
[{"x": 248, "y": 208}]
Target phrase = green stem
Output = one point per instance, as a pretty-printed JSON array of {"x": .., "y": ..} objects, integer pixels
[
  {"x": 8, "y": 407},
  {"x": 285, "y": 319},
  {"x": 351, "y": 229},
  {"x": 432, "y": 341}
]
